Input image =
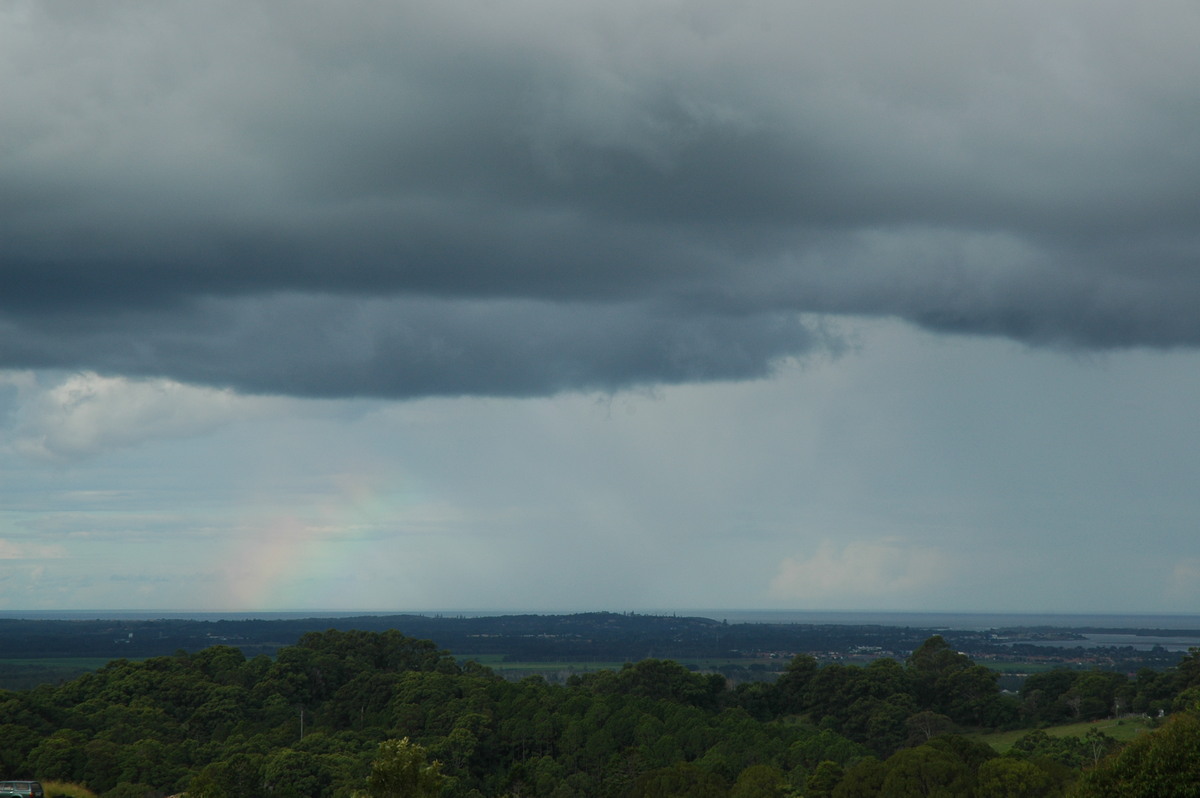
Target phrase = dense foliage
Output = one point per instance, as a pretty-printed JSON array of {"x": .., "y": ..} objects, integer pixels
[{"x": 346, "y": 711}]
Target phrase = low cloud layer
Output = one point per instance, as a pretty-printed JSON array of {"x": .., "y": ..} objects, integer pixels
[{"x": 529, "y": 198}]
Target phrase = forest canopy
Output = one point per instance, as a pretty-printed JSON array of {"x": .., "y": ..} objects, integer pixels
[{"x": 354, "y": 712}]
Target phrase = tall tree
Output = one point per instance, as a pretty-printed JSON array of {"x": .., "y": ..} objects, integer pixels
[
  {"x": 1158, "y": 765},
  {"x": 403, "y": 770}
]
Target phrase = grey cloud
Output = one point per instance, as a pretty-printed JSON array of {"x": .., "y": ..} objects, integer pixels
[
  {"x": 325, "y": 346},
  {"x": 411, "y": 199}
]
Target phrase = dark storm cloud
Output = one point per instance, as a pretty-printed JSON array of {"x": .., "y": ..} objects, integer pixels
[
  {"x": 521, "y": 198},
  {"x": 326, "y": 346}
]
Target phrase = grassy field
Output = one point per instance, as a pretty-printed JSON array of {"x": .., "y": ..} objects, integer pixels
[
  {"x": 1125, "y": 730},
  {"x": 55, "y": 788}
]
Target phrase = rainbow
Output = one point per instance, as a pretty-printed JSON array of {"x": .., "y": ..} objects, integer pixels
[{"x": 310, "y": 556}]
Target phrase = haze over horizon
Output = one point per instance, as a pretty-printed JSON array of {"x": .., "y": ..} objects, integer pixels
[{"x": 600, "y": 305}]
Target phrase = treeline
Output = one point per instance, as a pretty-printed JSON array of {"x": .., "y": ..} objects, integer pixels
[
  {"x": 867, "y": 703},
  {"x": 1063, "y": 696},
  {"x": 310, "y": 723},
  {"x": 600, "y": 636},
  {"x": 586, "y": 637}
]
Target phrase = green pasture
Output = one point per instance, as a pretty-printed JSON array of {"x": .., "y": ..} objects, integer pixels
[
  {"x": 1123, "y": 729},
  {"x": 63, "y": 788}
]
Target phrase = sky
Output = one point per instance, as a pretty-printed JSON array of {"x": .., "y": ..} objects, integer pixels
[{"x": 611, "y": 305}]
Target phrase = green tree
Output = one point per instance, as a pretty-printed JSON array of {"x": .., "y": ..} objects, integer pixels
[
  {"x": 102, "y": 769},
  {"x": 816, "y": 747},
  {"x": 924, "y": 726},
  {"x": 863, "y": 779},
  {"x": 759, "y": 781},
  {"x": 926, "y": 771},
  {"x": 16, "y": 741},
  {"x": 763, "y": 700},
  {"x": 793, "y": 684},
  {"x": 970, "y": 752},
  {"x": 682, "y": 780},
  {"x": 224, "y": 665},
  {"x": 403, "y": 770},
  {"x": 1093, "y": 694},
  {"x": 149, "y": 761},
  {"x": 824, "y": 779},
  {"x": 949, "y": 683},
  {"x": 1188, "y": 670},
  {"x": 1044, "y": 696},
  {"x": 288, "y": 773},
  {"x": 1162, "y": 764},
  {"x": 1097, "y": 745},
  {"x": 545, "y": 775},
  {"x": 128, "y": 790},
  {"x": 59, "y": 757},
  {"x": 1005, "y": 777},
  {"x": 230, "y": 776},
  {"x": 666, "y": 680}
]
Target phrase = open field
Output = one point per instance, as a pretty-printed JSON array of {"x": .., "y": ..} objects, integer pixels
[
  {"x": 57, "y": 788},
  {"x": 1124, "y": 729}
]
